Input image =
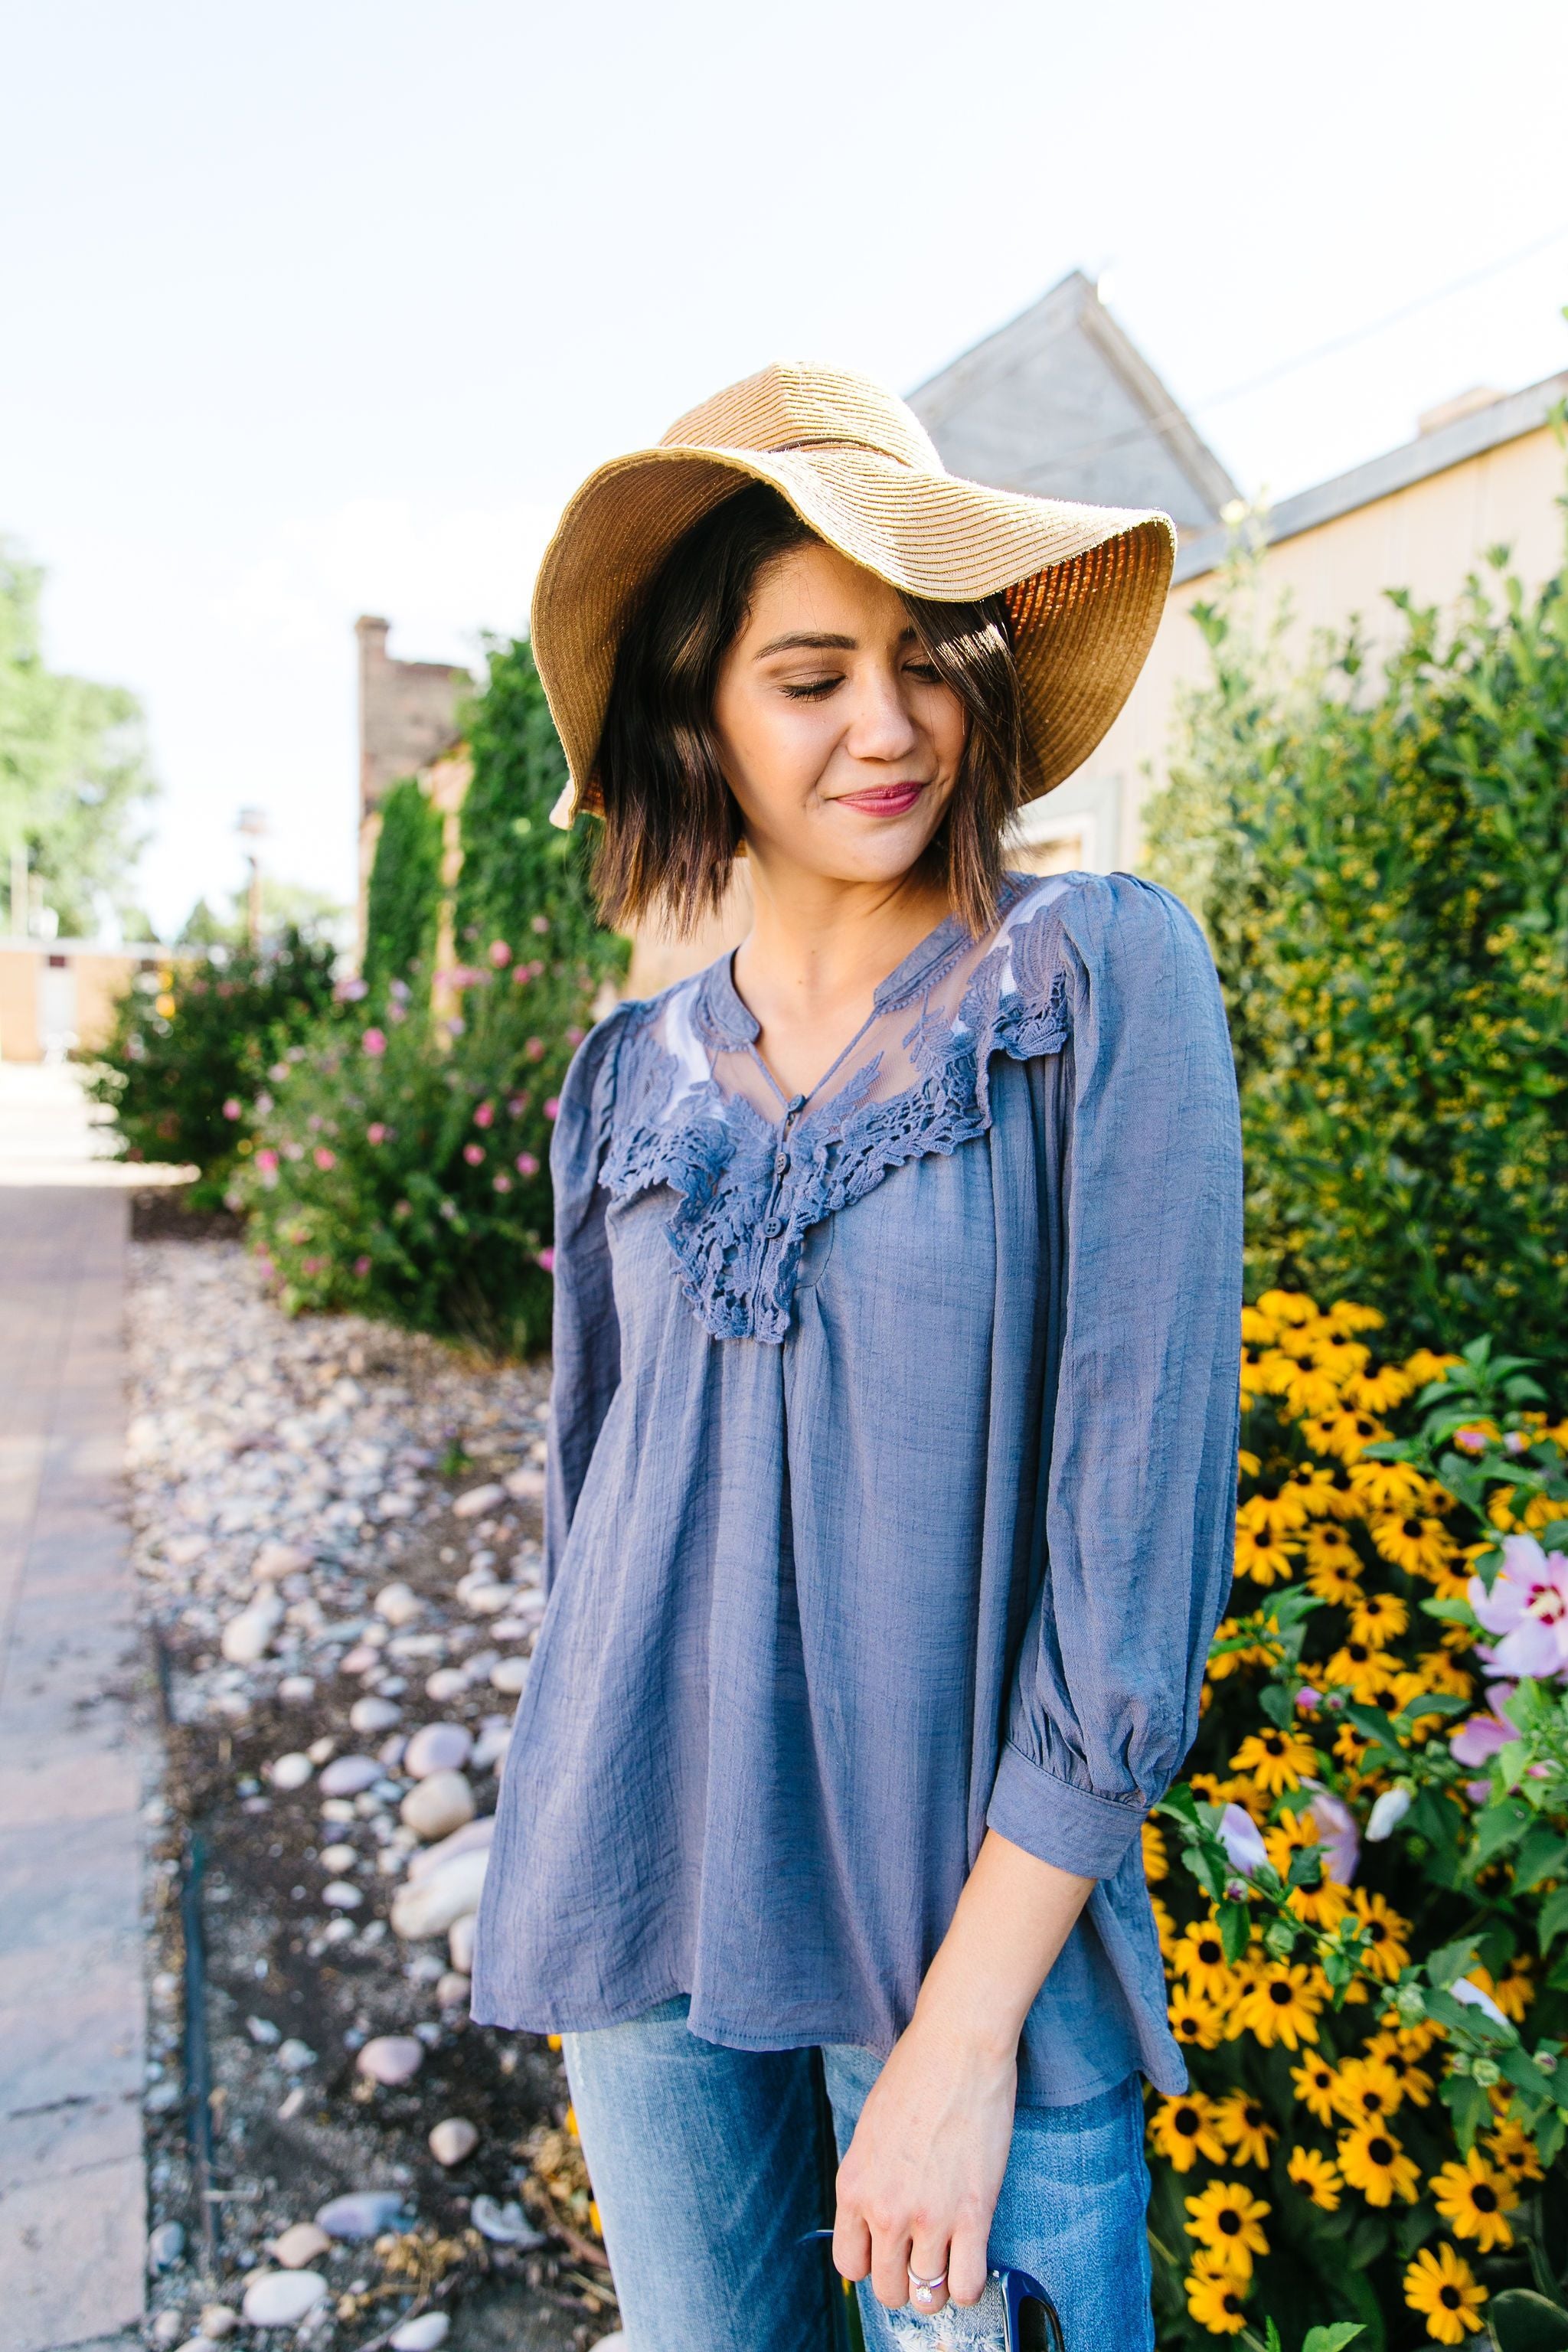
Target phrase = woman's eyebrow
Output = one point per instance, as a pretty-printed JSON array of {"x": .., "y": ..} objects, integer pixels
[{"x": 818, "y": 642}]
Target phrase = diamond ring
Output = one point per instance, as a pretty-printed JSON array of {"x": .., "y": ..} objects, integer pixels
[{"x": 926, "y": 2289}]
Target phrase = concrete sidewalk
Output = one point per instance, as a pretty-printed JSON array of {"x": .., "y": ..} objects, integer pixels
[{"x": 72, "y": 2202}]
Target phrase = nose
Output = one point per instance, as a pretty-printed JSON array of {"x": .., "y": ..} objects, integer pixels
[{"x": 881, "y": 725}]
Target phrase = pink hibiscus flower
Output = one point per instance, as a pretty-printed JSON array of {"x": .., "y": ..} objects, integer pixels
[{"x": 1528, "y": 1606}]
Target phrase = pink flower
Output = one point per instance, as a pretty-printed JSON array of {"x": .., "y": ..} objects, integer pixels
[
  {"x": 527, "y": 1165},
  {"x": 362, "y": 1267},
  {"x": 351, "y": 992},
  {"x": 376, "y": 1132},
  {"x": 500, "y": 954},
  {"x": 485, "y": 1115},
  {"x": 521, "y": 973},
  {"x": 314, "y": 1265},
  {"x": 232, "y": 1107},
  {"x": 1240, "y": 1837},
  {"x": 541, "y": 924},
  {"x": 1471, "y": 1441},
  {"x": 1308, "y": 1700},
  {"x": 1481, "y": 1737},
  {"x": 1335, "y": 1825},
  {"x": 473, "y": 1153},
  {"x": 575, "y": 1036},
  {"x": 553, "y": 1106},
  {"x": 1528, "y": 1605},
  {"x": 267, "y": 1160},
  {"x": 516, "y": 1105},
  {"x": 323, "y": 1158},
  {"x": 374, "y": 1042},
  {"x": 546, "y": 1259},
  {"x": 503, "y": 1182},
  {"x": 534, "y": 1049}
]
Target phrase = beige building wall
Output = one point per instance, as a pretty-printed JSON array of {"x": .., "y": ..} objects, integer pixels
[{"x": 60, "y": 994}]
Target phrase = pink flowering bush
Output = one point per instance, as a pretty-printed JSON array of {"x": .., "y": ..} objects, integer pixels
[{"x": 401, "y": 1167}]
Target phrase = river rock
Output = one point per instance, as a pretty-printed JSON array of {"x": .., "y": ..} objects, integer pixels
[
  {"x": 429, "y": 1907},
  {"x": 510, "y": 1675},
  {"x": 275, "y": 1560},
  {"x": 421, "y": 2333},
  {"x": 470, "y": 1839},
  {"x": 369, "y": 1715},
  {"x": 363, "y": 2213},
  {"x": 490, "y": 1747},
  {"x": 249, "y": 1636},
  {"x": 479, "y": 1500},
  {"x": 398, "y": 1604},
  {"x": 218, "y": 2320},
  {"x": 504, "y": 2225},
  {"x": 435, "y": 1807},
  {"x": 294, "y": 2057},
  {"x": 291, "y": 1771},
  {"x": 297, "y": 1690},
  {"x": 339, "y": 1895},
  {"x": 302, "y": 2243},
  {"x": 166, "y": 2245},
  {"x": 438, "y": 1748},
  {"x": 446, "y": 1684},
  {"x": 391, "y": 2059},
  {"x": 452, "y": 1991},
  {"x": 460, "y": 1943},
  {"x": 452, "y": 2139},
  {"x": 281, "y": 2298},
  {"x": 525, "y": 1486},
  {"x": 363, "y": 1659},
  {"x": 346, "y": 1776},
  {"x": 337, "y": 1859}
]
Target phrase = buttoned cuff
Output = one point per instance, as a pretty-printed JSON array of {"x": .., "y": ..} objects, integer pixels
[{"x": 1059, "y": 1822}]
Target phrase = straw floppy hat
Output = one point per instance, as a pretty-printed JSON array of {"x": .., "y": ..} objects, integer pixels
[{"x": 1085, "y": 584}]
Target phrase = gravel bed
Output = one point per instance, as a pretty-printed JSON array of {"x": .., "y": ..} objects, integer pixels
[{"x": 336, "y": 1533}]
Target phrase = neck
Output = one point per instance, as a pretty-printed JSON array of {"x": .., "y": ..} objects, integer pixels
[{"x": 816, "y": 945}]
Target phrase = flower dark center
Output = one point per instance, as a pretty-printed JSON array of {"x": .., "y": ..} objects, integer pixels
[
  {"x": 1483, "y": 2199},
  {"x": 1211, "y": 1955},
  {"x": 1373, "y": 2102},
  {"x": 1230, "y": 2302},
  {"x": 1448, "y": 2296},
  {"x": 1380, "y": 2151},
  {"x": 1280, "y": 1995},
  {"x": 1274, "y": 1743},
  {"x": 1186, "y": 2122},
  {"x": 1376, "y": 1930},
  {"x": 1410, "y": 1527},
  {"x": 1230, "y": 2221}
]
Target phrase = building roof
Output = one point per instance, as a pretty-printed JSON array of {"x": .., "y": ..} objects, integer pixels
[
  {"x": 1506, "y": 418},
  {"x": 1059, "y": 402}
]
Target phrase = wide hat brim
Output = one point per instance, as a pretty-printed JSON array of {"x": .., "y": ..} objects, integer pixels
[{"x": 1085, "y": 584}]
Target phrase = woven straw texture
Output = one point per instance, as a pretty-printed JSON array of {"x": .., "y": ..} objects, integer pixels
[{"x": 1085, "y": 584}]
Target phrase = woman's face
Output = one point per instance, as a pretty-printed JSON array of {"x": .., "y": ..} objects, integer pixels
[{"x": 838, "y": 740}]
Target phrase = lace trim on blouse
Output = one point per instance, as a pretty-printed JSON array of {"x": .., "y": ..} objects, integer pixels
[{"x": 695, "y": 1108}]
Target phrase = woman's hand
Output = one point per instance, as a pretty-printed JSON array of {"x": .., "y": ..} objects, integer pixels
[{"x": 917, "y": 2190}]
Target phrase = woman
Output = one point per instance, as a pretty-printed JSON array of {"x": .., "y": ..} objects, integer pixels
[{"x": 894, "y": 1429}]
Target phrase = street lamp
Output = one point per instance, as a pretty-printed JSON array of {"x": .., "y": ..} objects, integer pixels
[{"x": 251, "y": 823}]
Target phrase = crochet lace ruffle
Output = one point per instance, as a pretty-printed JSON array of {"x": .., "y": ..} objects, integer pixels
[{"x": 740, "y": 1217}]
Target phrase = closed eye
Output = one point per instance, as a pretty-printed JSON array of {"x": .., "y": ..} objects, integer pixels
[{"x": 812, "y": 690}]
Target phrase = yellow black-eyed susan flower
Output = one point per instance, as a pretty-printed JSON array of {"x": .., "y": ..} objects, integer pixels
[
  {"x": 1343, "y": 1434},
  {"x": 1513, "y": 1992},
  {"x": 1276, "y": 1759},
  {"x": 1200, "y": 1958},
  {"x": 1388, "y": 1486},
  {"x": 1419, "y": 1544},
  {"x": 1196, "y": 2024},
  {"x": 1277, "y": 1510},
  {"x": 1317, "y": 2175},
  {"x": 1244, "y": 2126},
  {"x": 1444, "y": 2289},
  {"x": 1373, "y": 2160},
  {"x": 1164, "y": 1928},
  {"x": 1228, "y": 2218},
  {"x": 1367, "y": 2089},
  {"x": 1475, "y": 2197},
  {"x": 1378, "y": 1617},
  {"x": 1359, "y": 1667},
  {"x": 1156, "y": 1862},
  {"x": 1217, "y": 2296},
  {"x": 1181, "y": 2129},
  {"x": 1387, "y": 1933},
  {"x": 1265, "y": 1563},
  {"x": 1283, "y": 2005},
  {"x": 1514, "y": 2152},
  {"x": 1415, "y": 2083},
  {"x": 1314, "y": 2082}
]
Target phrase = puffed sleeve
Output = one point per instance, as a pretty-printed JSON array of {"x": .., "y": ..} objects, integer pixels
[
  {"x": 1139, "y": 1451},
  {"x": 586, "y": 1336}
]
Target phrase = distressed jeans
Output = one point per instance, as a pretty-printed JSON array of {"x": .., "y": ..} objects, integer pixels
[{"x": 710, "y": 2164}]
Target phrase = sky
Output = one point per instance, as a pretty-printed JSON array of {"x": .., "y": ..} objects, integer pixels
[{"x": 325, "y": 307}]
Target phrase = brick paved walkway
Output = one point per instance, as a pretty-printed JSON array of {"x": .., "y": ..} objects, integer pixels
[{"x": 72, "y": 2206}]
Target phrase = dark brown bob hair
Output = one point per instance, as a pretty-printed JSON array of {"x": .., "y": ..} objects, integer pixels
[{"x": 671, "y": 824}]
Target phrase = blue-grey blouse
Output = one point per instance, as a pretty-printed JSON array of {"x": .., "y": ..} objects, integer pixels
[{"x": 890, "y": 1489}]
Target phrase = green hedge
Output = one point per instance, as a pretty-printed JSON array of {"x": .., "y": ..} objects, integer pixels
[
  {"x": 403, "y": 901},
  {"x": 1382, "y": 864}
]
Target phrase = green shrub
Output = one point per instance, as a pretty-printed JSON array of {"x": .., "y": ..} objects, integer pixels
[
  {"x": 1382, "y": 867},
  {"x": 401, "y": 1163},
  {"x": 185, "y": 1056},
  {"x": 403, "y": 901},
  {"x": 522, "y": 876}
]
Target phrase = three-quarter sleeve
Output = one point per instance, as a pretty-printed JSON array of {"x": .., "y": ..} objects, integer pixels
[
  {"x": 585, "y": 1337},
  {"x": 1138, "y": 1454}
]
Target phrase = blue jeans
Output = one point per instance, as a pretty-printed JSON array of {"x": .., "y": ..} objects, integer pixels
[{"x": 709, "y": 2165}]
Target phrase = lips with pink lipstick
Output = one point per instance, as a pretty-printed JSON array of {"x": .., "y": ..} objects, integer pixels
[{"x": 884, "y": 799}]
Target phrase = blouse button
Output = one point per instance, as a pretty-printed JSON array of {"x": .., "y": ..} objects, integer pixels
[
  {"x": 781, "y": 1165},
  {"x": 773, "y": 1228}
]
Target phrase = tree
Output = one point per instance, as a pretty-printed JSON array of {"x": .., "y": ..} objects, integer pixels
[
  {"x": 522, "y": 876},
  {"x": 1382, "y": 864},
  {"x": 403, "y": 902},
  {"x": 74, "y": 780}
]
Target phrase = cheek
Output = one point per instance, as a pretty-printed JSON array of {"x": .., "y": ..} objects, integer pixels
[{"x": 948, "y": 724}]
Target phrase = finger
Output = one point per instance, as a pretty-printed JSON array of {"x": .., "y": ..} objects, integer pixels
[
  {"x": 966, "y": 2266},
  {"x": 927, "y": 2260},
  {"x": 851, "y": 2245},
  {"x": 890, "y": 2267}
]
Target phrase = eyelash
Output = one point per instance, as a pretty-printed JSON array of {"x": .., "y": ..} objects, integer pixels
[{"x": 819, "y": 688}]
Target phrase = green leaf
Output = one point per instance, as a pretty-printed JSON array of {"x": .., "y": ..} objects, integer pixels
[
  {"x": 1552, "y": 1920},
  {"x": 1450, "y": 1611},
  {"x": 1235, "y": 1930},
  {"x": 1543, "y": 1854},
  {"x": 1332, "y": 2339},
  {"x": 1433, "y": 1703},
  {"x": 1522, "y": 2321},
  {"x": 1497, "y": 1827},
  {"x": 1469, "y": 2106}
]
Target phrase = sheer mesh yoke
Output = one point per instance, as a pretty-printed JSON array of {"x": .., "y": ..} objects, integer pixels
[{"x": 699, "y": 1111}]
